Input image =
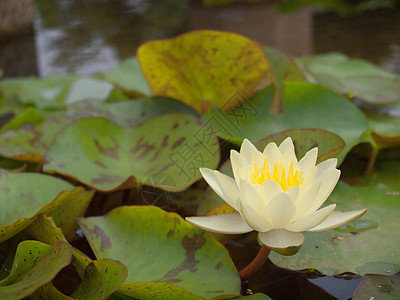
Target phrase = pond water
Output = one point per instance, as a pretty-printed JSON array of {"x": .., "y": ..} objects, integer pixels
[
  {"x": 88, "y": 36},
  {"x": 95, "y": 35}
]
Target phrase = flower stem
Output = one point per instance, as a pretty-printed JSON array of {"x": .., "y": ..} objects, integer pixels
[{"x": 256, "y": 264}]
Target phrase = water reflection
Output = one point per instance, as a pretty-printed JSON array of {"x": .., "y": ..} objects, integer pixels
[
  {"x": 87, "y": 36},
  {"x": 90, "y": 36}
]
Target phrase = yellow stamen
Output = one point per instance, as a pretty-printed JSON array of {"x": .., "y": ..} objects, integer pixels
[{"x": 259, "y": 175}]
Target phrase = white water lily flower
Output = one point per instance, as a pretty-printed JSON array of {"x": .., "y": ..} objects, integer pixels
[{"x": 275, "y": 195}]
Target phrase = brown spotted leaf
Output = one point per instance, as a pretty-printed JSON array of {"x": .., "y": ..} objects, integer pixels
[
  {"x": 204, "y": 68},
  {"x": 107, "y": 157},
  {"x": 166, "y": 257}
]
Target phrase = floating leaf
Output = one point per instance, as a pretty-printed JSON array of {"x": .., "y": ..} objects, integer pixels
[
  {"x": 204, "y": 68},
  {"x": 367, "y": 245},
  {"x": 356, "y": 77},
  {"x": 30, "y": 115},
  {"x": 43, "y": 230},
  {"x": 88, "y": 88},
  {"x": 35, "y": 264},
  {"x": 378, "y": 287},
  {"x": 26, "y": 195},
  {"x": 113, "y": 158},
  {"x": 102, "y": 277},
  {"x": 65, "y": 214},
  {"x": 166, "y": 257},
  {"x": 127, "y": 113},
  {"x": 30, "y": 142},
  {"x": 386, "y": 130},
  {"x": 305, "y": 106},
  {"x": 129, "y": 77}
]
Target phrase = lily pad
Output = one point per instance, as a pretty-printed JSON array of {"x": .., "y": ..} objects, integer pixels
[
  {"x": 65, "y": 214},
  {"x": 167, "y": 258},
  {"x": 30, "y": 141},
  {"x": 204, "y": 68},
  {"x": 367, "y": 245},
  {"x": 127, "y": 113},
  {"x": 88, "y": 88},
  {"x": 355, "y": 77},
  {"x": 26, "y": 195},
  {"x": 305, "y": 106},
  {"x": 378, "y": 287},
  {"x": 115, "y": 158},
  {"x": 35, "y": 264},
  {"x": 386, "y": 130},
  {"x": 102, "y": 277},
  {"x": 129, "y": 77}
]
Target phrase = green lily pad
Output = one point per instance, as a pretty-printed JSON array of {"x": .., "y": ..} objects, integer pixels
[
  {"x": 26, "y": 195},
  {"x": 127, "y": 113},
  {"x": 283, "y": 66},
  {"x": 386, "y": 130},
  {"x": 129, "y": 77},
  {"x": 102, "y": 277},
  {"x": 166, "y": 257},
  {"x": 65, "y": 214},
  {"x": 204, "y": 68},
  {"x": 88, "y": 88},
  {"x": 305, "y": 106},
  {"x": 115, "y": 158},
  {"x": 369, "y": 244},
  {"x": 43, "y": 230},
  {"x": 30, "y": 115},
  {"x": 378, "y": 287},
  {"x": 35, "y": 264},
  {"x": 30, "y": 141},
  {"x": 355, "y": 77}
]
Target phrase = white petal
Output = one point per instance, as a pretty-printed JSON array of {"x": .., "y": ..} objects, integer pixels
[
  {"x": 309, "y": 160},
  {"x": 280, "y": 210},
  {"x": 338, "y": 218},
  {"x": 273, "y": 154},
  {"x": 240, "y": 167},
  {"x": 325, "y": 166},
  {"x": 269, "y": 189},
  {"x": 287, "y": 158},
  {"x": 306, "y": 202},
  {"x": 247, "y": 149},
  {"x": 312, "y": 219},
  {"x": 286, "y": 145},
  {"x": 294, "y": 193},
  {"x": 250, "y": 195},
  {"x": 328, "y": 183},
  {"x": 229, "y": 189},
  {"x": 281, "y": 238},
  {"x": 231, "y": 223},
  {"x": 254, "y": 218},
  {"x": 209, "y": 177},
  {"x": 257, "y": 158}
]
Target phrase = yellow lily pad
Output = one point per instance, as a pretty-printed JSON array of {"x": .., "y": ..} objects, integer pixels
[{"x": 204, "y": 68}]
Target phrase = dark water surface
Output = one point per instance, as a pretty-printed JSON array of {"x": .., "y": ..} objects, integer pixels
[{"x": 88, "y": 36}]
